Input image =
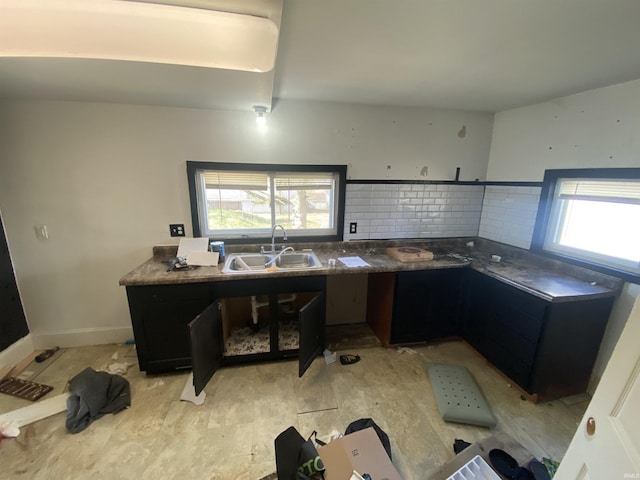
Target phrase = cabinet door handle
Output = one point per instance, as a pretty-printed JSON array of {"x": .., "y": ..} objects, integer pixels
[{"x": 591, "y": 426}]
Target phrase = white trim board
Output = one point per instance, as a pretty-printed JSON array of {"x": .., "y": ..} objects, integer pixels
[
  {"x": 39, "y": 410},
  {"x": 17, "y": 352}
]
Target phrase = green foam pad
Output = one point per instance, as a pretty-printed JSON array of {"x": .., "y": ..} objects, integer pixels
[{"x": 458, "y": 396}]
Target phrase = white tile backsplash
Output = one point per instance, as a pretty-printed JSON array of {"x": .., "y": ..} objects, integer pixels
[
  {"x": 509, "y": 214},
  {"x": 387, "y": 211},
  {"x": 502, "y": 213}
]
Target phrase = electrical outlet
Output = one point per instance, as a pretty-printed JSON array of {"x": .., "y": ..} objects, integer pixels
[
  {"x": 176, "y": 229},
  {"x": 353, "y": 227}
]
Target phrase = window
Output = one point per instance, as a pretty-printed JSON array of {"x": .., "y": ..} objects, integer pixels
[
  {"x": 241, "y": 202},
  {"x": 592, "y": 217}
]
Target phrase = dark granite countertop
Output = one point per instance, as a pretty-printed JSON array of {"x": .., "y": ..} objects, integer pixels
[{"x": 548, "y": 279}]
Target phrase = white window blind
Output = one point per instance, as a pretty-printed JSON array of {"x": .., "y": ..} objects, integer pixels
[
  {"x": 307, "y": 182},
  {"x": 618, "y": 191},
  {"x": 236, "y": 180}
]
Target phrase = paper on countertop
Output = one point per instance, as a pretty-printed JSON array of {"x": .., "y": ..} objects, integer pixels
[
  {"x": 352, "y": 262},
  {"x": 202, "y": 259},
  {"x": 187, "y": 245}
]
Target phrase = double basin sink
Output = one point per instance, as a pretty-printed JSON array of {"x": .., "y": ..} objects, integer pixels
[{"x": 238, "y": 263}]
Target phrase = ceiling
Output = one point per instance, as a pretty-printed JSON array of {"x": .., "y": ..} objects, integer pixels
[{"x": 481, "y": 55}]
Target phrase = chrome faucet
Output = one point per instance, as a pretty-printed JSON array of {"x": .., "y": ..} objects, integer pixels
[{"x": 273, "y": 238}]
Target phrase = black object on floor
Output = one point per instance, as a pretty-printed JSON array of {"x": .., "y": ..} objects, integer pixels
[
  {"x": 459, "y": 445},
  {"x": 349, "y": 359},
  {"x": 46, "y": 354},
  {"x": 506, "y": 465},
  {"x": 539, "y": 470},
  {"x": 296, "y": 458}
]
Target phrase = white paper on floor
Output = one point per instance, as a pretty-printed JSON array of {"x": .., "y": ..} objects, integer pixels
[
  {"x": 408, "y": 350},
  {"x": 329, "y": 356},
  {"x": 189, "y": 392},
  {"x": 116, "y": 368}
]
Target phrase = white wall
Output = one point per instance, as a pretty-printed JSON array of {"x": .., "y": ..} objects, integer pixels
[
  {"x": 108, "y": 179},
  {"x": 598, "y": 128},
  {"x": 595, "y": 129}
]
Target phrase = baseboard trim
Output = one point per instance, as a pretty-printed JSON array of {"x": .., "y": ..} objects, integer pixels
[
  {"x": 82, "y": 337},
  {"x": 17, "y": 351}
]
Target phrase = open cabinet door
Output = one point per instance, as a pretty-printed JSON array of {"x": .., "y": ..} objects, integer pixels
[
  {"x": 205, "y": 334},
  {"x": 311, "y": 318}
]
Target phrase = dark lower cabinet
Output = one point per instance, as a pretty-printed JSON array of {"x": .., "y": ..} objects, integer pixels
[
  {"x": 548, "y": 349},
  {"x": 180, "y": 326},
  {"x": 159, "y": 316},
  {"x": 426, "y": 305}
]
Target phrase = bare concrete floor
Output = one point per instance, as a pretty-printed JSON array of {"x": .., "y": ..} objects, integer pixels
[{"x": 231, "y": 436}]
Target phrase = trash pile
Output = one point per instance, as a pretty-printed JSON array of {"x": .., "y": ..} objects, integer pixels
[{"x": 363, "y": 452}]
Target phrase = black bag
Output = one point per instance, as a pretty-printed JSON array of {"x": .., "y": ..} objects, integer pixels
[
  {"x": 296, "y": 458},
  {"x": 366, "y": 423}
]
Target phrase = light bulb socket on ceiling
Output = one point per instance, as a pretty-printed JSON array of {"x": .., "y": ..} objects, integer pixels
[{"x": 261, "y": 115}]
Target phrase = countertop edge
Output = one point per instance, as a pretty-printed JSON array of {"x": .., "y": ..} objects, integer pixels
[{"x": 153, "y": 271}]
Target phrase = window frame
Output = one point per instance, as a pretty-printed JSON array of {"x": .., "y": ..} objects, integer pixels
[
  {"x": 545, "y": 208},
  {"x": 340, "y": 170}
]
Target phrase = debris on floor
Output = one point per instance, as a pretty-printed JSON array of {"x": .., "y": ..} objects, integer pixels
[
  {"x": 349, "y": 359},
  {"x": 94, "y": 394},
  {"x": 329, "y": 356},
  {"x": 32, "y": 413},
  {"x": 408, "y": 350},
  {"x": 118, "y": 368},
  {"x": 24, "y": 388},
  {"x": 46, "y": 354},
  {"x": 189, "y": 392}
]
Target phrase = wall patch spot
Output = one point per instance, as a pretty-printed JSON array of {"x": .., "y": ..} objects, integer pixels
[
  {"x": 425, "y": 171},
  {"x": 462, "y": 132},
  {"x": 388, "y": 167}
]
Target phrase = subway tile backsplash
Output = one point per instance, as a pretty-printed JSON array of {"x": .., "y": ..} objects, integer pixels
[
  {"x": 509, "y": 214},
  {"x": 389, "y": 210},
  {"x": 502, "y": 213}
]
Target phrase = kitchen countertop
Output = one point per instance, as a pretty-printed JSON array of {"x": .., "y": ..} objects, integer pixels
[{"x": 548, "y": 279}]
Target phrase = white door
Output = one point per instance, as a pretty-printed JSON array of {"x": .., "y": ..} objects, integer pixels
[{"x": 607, "y": 442}]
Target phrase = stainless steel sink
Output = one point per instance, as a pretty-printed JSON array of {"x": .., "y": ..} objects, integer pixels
[
  {"x": 238, "y": 263},
  {"x": 300, "y": 261}
]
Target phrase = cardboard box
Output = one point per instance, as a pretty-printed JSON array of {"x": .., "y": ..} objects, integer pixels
[{"x": 360, "y": 451}]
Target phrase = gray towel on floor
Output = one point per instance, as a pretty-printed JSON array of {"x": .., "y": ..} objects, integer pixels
[{"x": 92, "y": 395}]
